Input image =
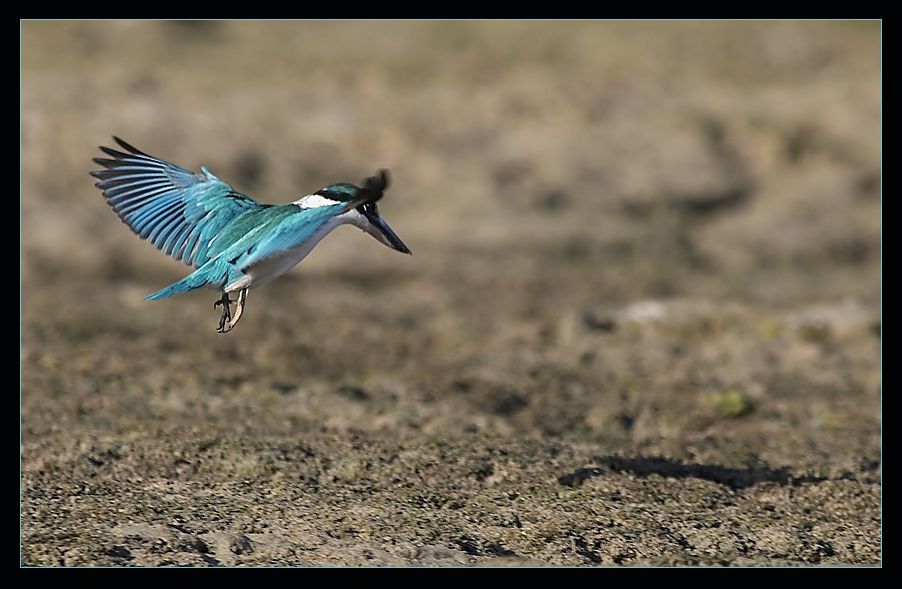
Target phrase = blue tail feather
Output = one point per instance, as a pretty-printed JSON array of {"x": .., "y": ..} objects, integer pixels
[{"x": 206, "y": 275}]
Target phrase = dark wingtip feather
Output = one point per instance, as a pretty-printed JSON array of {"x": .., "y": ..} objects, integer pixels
[
  {"x": 108, "y": 164},
  {"x": 117, "y": 156},
  {"x": 113, "y": 153},
  {"x": 129, "y": 148}
]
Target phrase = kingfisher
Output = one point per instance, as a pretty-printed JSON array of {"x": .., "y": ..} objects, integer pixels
[{"x": 234, "y": 242}]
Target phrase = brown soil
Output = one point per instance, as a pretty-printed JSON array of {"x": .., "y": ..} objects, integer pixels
[{"x": 640, "y": 325}]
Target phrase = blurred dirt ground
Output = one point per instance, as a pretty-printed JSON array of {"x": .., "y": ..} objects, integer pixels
[{"x": 640, "y": 325}]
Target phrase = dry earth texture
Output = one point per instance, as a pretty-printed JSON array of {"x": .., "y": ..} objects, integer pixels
[{"x": 640, "y": 325}]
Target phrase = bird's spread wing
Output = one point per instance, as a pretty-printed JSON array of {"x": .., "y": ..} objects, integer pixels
[{"x": 178, "y": 211}]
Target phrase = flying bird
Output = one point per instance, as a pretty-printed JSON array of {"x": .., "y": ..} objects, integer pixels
[{"x": 234, "y": 242}]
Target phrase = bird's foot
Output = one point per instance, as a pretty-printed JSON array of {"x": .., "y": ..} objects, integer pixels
[
  {"x": 225, "y": 301},
  {"x": 227, "y": 322}
]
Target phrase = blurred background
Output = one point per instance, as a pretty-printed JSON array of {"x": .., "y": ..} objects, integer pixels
[
  {"x": 652, "y": 237},
  {"x": 716, "y": 159}
]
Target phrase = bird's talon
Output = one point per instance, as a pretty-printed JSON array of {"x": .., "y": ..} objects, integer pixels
[
  {"x": 223, "y": 300},
  {"x": 226, "y": 311},
  {"x": 227, "y": 322}
]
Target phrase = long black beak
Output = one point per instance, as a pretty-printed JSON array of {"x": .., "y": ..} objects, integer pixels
[
  {"x": 372, "y": 190},
  {"x": 380, "y": 229}
]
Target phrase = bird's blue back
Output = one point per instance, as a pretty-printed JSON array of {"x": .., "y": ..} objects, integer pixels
[{"x": 268, "y": 230}]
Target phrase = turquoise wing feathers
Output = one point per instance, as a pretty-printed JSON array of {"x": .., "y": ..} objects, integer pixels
[
  {"x": 281, "y": 229},
  {"x": 249, "y": 240},
  {"x": 180, "y": 212}
]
